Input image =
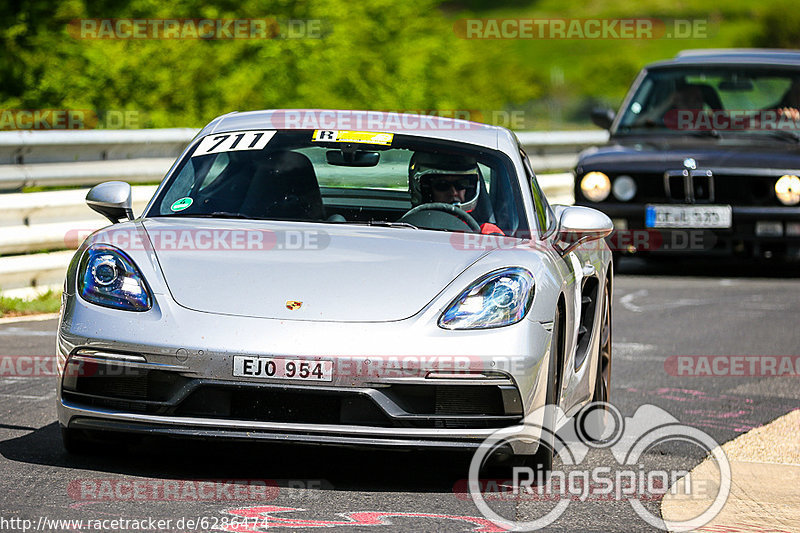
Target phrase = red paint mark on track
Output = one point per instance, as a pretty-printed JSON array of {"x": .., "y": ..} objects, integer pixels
[{"x": 261, "y": 518}]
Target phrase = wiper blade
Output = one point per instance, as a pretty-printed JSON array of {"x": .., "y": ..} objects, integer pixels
[
  {"x": 705, "y": 133},
  {"x": 228, "y": 214},
  {"x": 215, "y": 214},
  {"x": 387, "y": 224},
  {"x": 784, "y": 134}
]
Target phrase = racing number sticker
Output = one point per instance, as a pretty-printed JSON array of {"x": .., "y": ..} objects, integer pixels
[
  {"x": 346, "y": 136},
  {"x": 234, "y": 141}
]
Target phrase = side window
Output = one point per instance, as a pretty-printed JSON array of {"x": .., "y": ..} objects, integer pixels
[
  {"x": 544, "y": 214},
  {"x": 206, "y": 167},
  {"x": 181, "y": 187}
]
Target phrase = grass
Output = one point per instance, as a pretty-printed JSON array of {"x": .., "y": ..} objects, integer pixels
[
  {"x": 47, "y": 188},
  {"x": 47, "y": 302}
]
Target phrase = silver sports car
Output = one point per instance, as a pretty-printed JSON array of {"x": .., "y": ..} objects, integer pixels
[{"x": 334, "y": 277}]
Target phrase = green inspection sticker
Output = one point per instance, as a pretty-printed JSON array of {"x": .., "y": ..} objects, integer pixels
[{"x": 182, "y": 204}]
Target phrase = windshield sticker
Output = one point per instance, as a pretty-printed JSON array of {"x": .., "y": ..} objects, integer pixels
[
  {"x": 181, "y": 204},
  {"x": 233, "y": 141},
  {"x": 345, "y": 136}
]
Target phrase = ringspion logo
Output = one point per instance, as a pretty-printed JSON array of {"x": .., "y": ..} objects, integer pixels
[{"x": 626, "y": 478}]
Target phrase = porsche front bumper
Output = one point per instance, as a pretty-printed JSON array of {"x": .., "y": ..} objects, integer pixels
[{"x": 395, "y": 384}]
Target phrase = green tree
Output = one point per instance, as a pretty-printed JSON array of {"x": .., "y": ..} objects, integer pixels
[{"x": 372, "y": 55}]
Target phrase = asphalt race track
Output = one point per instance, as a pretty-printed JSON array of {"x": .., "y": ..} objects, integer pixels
[{"x": 660, "y": 310}]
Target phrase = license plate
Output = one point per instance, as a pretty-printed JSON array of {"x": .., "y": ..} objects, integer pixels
[
  {"x": 246, "y": 366},
  {"x": 688, "y": 216}
]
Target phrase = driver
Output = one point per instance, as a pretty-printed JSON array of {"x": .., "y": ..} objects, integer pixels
[{"x": 449, "y": 179}]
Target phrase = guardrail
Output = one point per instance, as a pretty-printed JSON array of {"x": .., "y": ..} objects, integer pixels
[{"x": 44, "y": 221}]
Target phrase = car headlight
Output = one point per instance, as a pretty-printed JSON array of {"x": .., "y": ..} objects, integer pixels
[
  {"x": 624, "y": 188},
  {"x": 787, "y": 189},
  {"x": 500, "y": 298},
  {"x": 595, "y": 186},
  {"x": 109, "y": 278}
]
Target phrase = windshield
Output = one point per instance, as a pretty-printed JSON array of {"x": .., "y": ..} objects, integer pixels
[
  {"x": 720, "y": 99},
  {"x": 346, "y": 178}
]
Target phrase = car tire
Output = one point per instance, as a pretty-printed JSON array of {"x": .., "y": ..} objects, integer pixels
[{"x": 542, "y": 460}]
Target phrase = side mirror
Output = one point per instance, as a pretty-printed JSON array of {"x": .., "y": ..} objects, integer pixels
[
  {"x": 579, "y": 225},
  {"x": 603, "y": 117},
  {"x": 111, "y": 199}
]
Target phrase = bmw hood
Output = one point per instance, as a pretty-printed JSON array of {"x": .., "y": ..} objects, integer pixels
[
  {"x": 658, "y": 154},
  {"x": 304, "y": 271}
]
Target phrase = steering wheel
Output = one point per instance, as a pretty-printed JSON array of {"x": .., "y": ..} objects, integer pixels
[{"x": 450, "y": 209}]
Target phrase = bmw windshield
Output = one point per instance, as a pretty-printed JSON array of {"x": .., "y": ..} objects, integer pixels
[{"x": 719, "y": 101}]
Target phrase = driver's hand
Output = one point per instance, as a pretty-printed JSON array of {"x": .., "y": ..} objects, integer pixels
[{"x": 790, "y": 112}]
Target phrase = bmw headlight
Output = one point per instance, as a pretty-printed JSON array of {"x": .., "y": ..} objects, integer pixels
[
  {"x": 498, "y": 299},
  {"x": 595, "y": 186},
  {"x": 624, "y": 188},
  {"x": 787, "y": 189},
  {"x": 109, "y": 278}
]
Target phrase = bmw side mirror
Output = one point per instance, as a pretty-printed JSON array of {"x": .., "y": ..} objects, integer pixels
[
  {"x": 579, "y": 225},
  {"x": 603, "y": 117},
  {"x": 111, "y": 199}
]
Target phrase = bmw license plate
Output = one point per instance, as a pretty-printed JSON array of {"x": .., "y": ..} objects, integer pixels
[
  {"x": 246, "y": 366},
  {"x": 688, "y": 216}
]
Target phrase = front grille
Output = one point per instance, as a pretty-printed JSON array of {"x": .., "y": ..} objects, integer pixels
[
  {"x": 689, "y": 186},
  {"x": 676, "y": 187},
  {"x": 271, "y": 404},
  {"x": 747, "y": 190},
  {"x": 457, "y": 400},
  {"x": 113, "y": 380},
  {"x": 703, "y": 186},
  {"x": 281, "y": 405},
  {"x": 717, "y": 188},
  {"x": 447, "y": 400}
]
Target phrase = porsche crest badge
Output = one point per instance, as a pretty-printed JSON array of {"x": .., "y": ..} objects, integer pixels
[{"x": 293, "y": 305}]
